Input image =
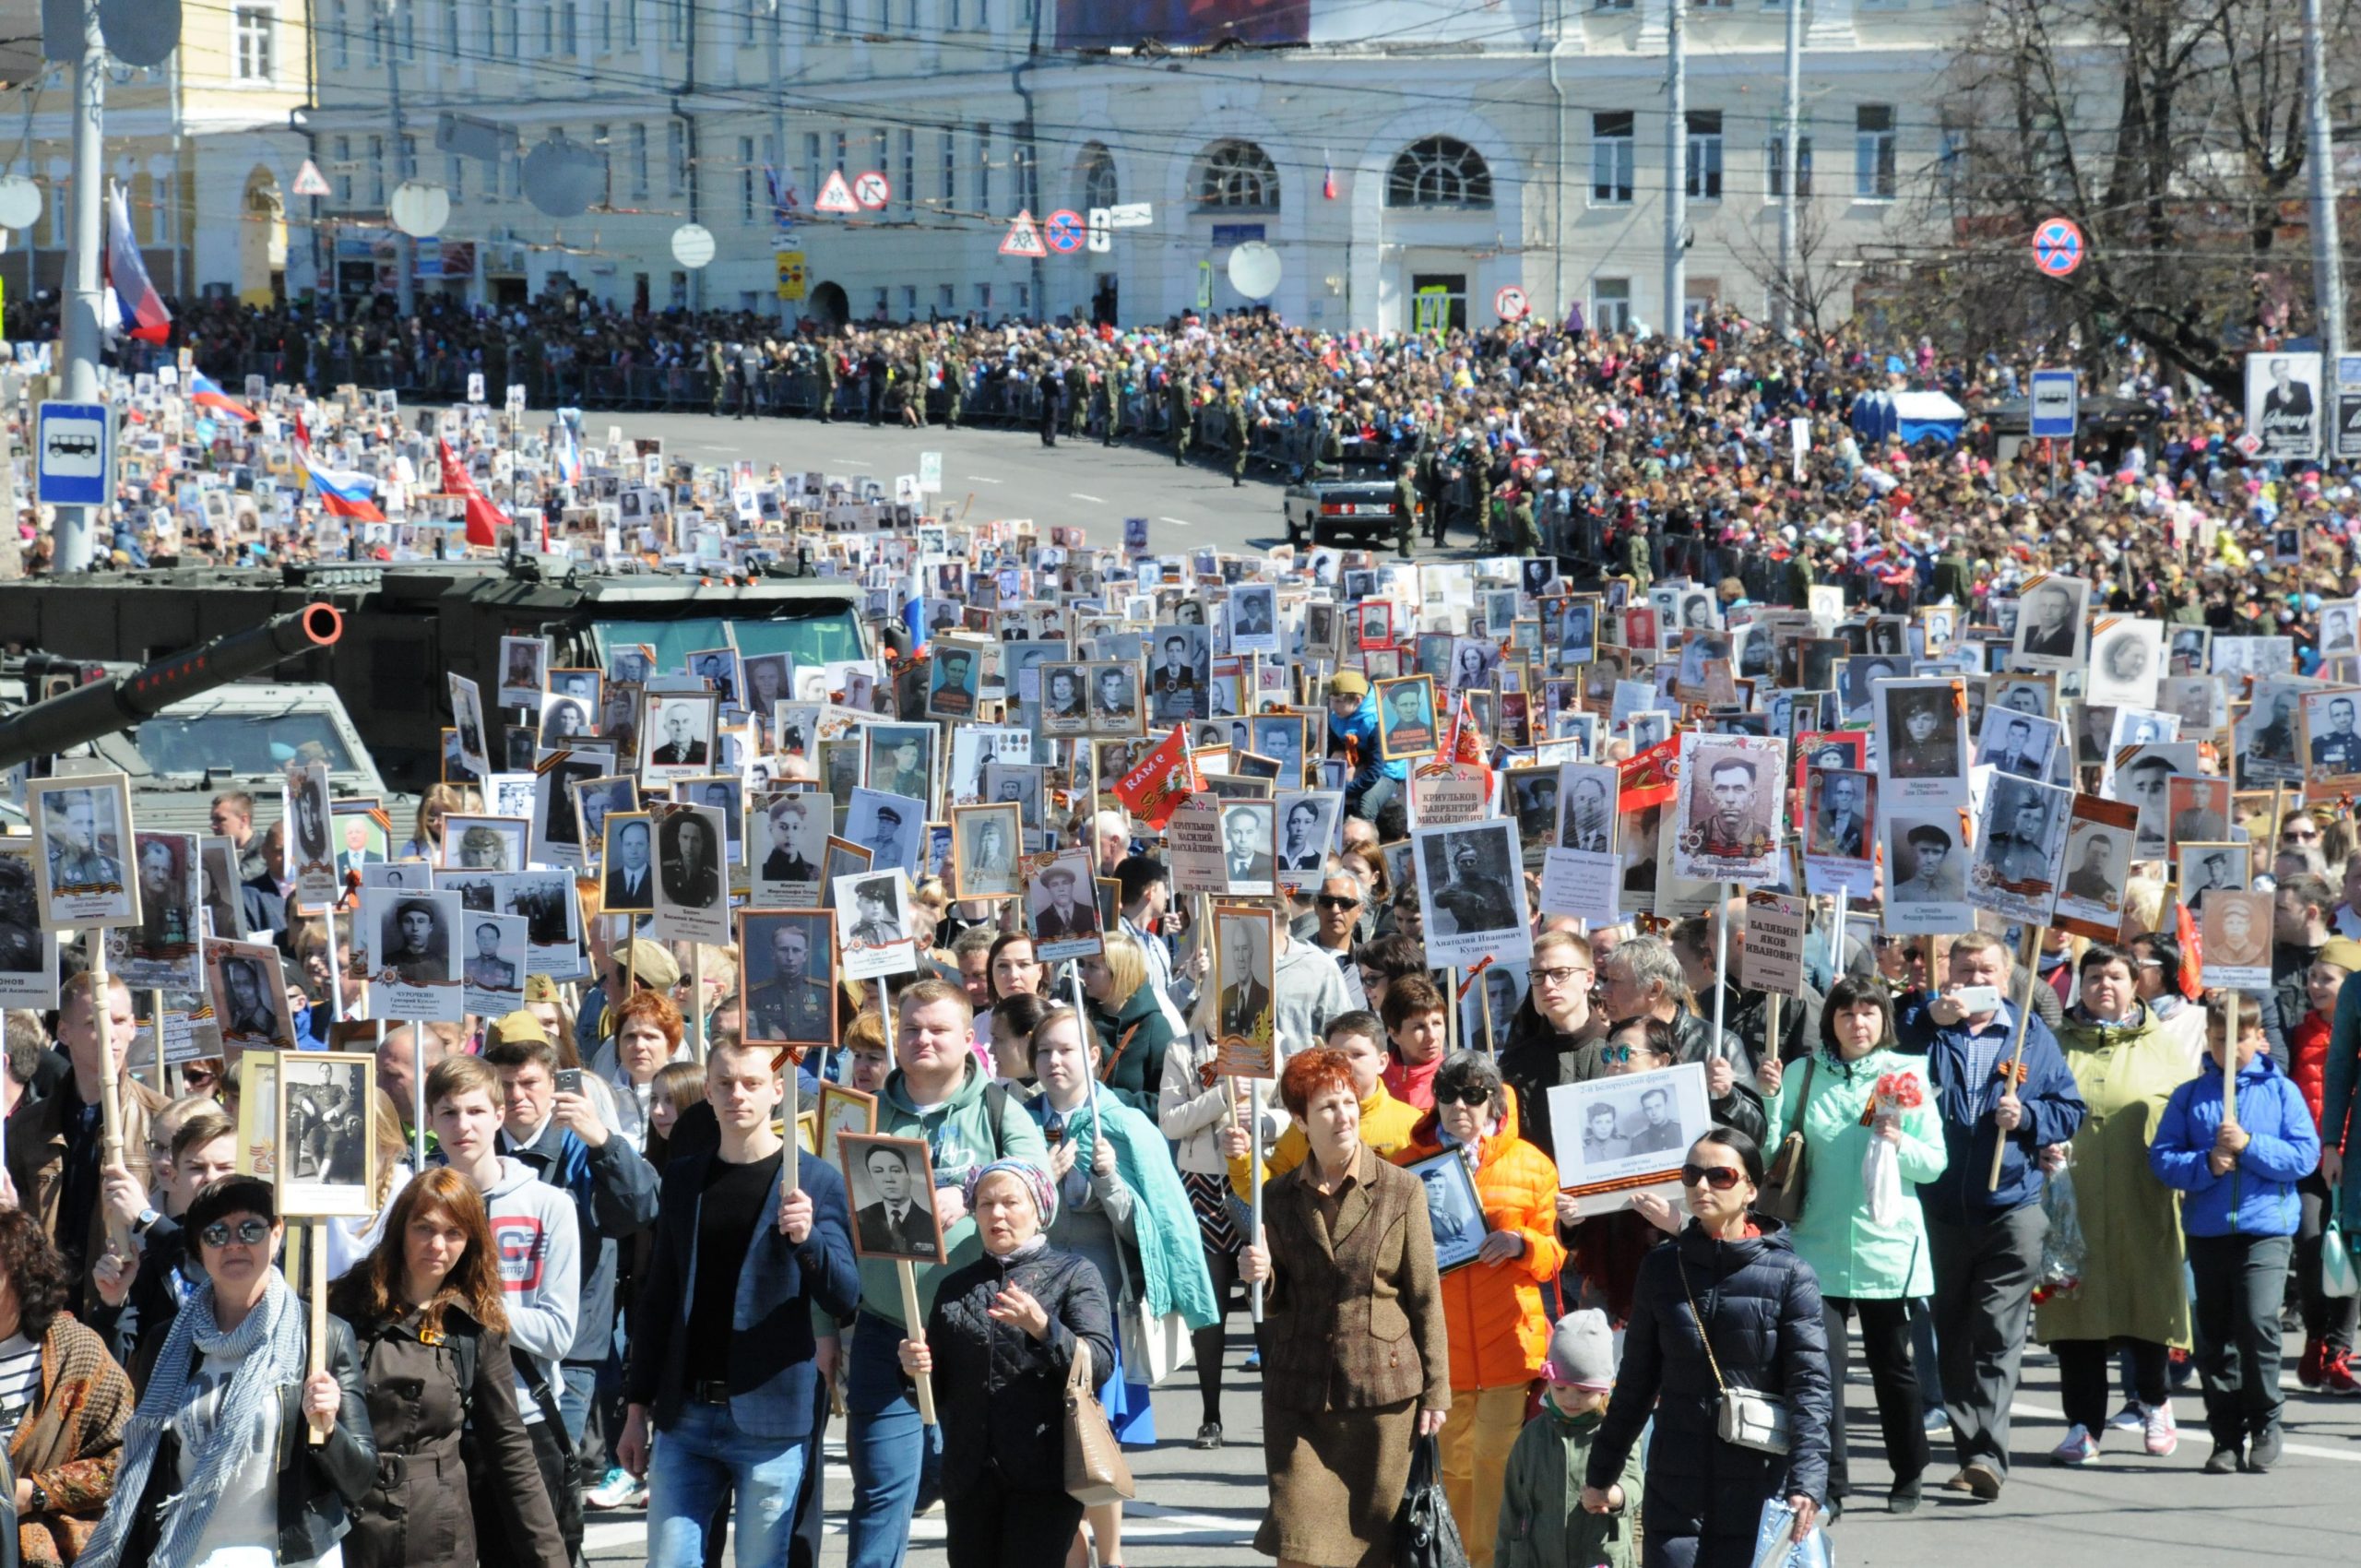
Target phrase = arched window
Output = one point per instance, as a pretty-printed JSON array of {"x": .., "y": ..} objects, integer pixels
[
  {"x": 1440, "y": 172},
  {"x": 1238, "y": 175},
  {"x": 1099, "y": 186}
]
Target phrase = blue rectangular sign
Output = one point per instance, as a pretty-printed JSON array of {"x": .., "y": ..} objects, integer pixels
[
  {"x": 2054, "y": 405},
  {"x": 73, "y": 455}
]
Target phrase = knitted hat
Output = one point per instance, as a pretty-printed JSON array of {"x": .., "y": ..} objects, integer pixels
[{"x": 1582, "y": 1351}]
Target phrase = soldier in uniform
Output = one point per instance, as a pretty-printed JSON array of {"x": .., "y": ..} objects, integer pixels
[
  {"x": 792, "y": 1005},
  {"x": 1180, "y": 411},
  {"x": 1732, "y": 832},
  {"x": 1234, "y": 404},
  {"x": 1474, "y": 903},
  {"x": 824, "y": 408},
  {"x": 2014, "y": 852},
  {"x": 875, "y": 900},
  {"x": 1077, "y": 399},
  {"x": 79, "y": 864},
  {"x": 487, "y": 970},
  {"x": 954, "y": 390},
  {"x": 2339, "y": 751},
  {"x": 1405, "y": 510}
]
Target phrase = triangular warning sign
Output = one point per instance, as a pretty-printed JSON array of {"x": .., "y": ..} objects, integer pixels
[
  {"x": 310, "y": 182},
  {"x": 1023, "y": 237},
  {"x": 836, "y": 195}
]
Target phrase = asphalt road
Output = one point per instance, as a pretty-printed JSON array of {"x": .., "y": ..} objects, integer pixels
[
  {"x": 996, "y": 471},
  {"x": 1201, "y": 1508}
]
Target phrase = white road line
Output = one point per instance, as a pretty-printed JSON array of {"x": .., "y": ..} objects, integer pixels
[
  {"x": 2349, "y": 1456},
  {"x": 981, "y": 478},
  {"x": 1078, "y": 496},
  {"x": 1182, "y": 522}
]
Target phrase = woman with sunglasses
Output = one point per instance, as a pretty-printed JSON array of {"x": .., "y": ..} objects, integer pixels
[
  {"x": 1493, "y": 1308},
  {"x": 433, "y": 1334},
  {"x": 1839, "y": 1102},
  {"x": 1732, "y": 1284},
  {"x": 219, "y": 1433}
]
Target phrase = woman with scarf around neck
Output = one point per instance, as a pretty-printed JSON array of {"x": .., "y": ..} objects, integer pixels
[
  {"x": 1727, "y": 1302},
  {"x": 1498, "y": 1328},
  {"x": 218, "y": 1470},
  {"x": 1121, "y": 1207},
  {"x": 999, "y": 1344},
  {"x": 2131, "y": 1296},
  {"x": 68, "y": 1434}
]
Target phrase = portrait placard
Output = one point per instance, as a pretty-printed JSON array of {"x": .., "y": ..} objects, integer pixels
[
  {"x": 1922, "y": 742},
  {"x": 326, "y": 1156},
  {"x": 1618, "y": 1137},
  {"x": 676, "y": 735},
  {"x": 1925, "y": 855},
  {"x": 1731, "y": 791},
  {"x": 1454, "y": 1212},
  {"x": 248, "y": 990},
  {"x": 692, "y": 893},
  {"x": 986, "y": 849},
  {"x": 872, "y": 914},
  {"x": 1406, "y": 718},
  {"x": 2200, "y": 868},
  {"x": 786, "y": 974},
  {"x": 2020, "y": 848},
  {"x": 492, "y": 978},
  {"x": 2234, "y": 928},
  {"x": 890, "y": 1185},
  {"x": 2098, "y": 866},
  {"x": 413, "y": 960},
  {"x": 1062, "y": 907},
  {"x": 160, "y": 952},
  {"x": 83, "y": 826},
  {"x": 524, "y": 671},
  {"x": 1245, "y": 966},
  {"x": 842, "y": 1111},
  {"x": 1471, "y": 892}
]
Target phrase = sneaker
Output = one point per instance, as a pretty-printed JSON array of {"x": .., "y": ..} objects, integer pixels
[
  {"x": 2158, "y": 1429},
  {"x": 1253, "y": 1361},
  {"x": 2307, "y": 1370},
  {"x": 2337, "y": 1376},
  {"x": 614, "y": 1491},
  {"x": 2224, "y": 1461},
  {"x": 2080, "y": 1447},
  {"x": 2263, "y": 1451},
  {"x": 1209, "y": 1436},
  {"x": 2125, "y": 1419},
  {"x": 1936, "y": 1419}
]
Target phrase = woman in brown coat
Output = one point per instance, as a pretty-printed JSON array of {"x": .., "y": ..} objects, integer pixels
[
  {"x": 426, "y": 1308},
  {"x": 1354, "y": 1348},
  {"x": 69, "y": 1432}
]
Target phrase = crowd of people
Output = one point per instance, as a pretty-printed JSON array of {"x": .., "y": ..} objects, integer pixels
[{"x": 610, "y": 1271}]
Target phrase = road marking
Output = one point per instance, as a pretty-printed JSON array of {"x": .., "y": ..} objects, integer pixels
[
  {"x": 980, "y": 479},
  {"x": 1078, "y": 496},
  {"x": 2018, "y": 1408},
  {"x": 1182, "y": 522}
]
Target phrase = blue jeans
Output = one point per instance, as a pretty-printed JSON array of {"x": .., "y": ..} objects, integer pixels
[
  {"x": 893, "y": 1455},
  {"x": 574, "y": 1403},
  {"x": 695, "y": 1459}
]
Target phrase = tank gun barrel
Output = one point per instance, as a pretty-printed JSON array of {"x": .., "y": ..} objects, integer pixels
[{"x": 118, "y": 701}]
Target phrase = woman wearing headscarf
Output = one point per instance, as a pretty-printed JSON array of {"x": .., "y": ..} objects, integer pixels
[
  {"x": 219, "y": 1433},
  {"x": 1000, "y": 1345}
]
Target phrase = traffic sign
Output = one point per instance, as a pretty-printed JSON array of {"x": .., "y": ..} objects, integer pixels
[
  {"x": 2058, "y": 246},
  {"x": 873, "y": 190},
  {"x": 790, "y": 274},
  {"x": 309, "y": 181},
  {"x": 74, "y": 453},
  {"x": 1131, "y": 215},
  {"x": 1510, "y": 303},
  {"x": 1064, "y": 230},
  {"x": 1023, "y": 238},
  {"x": 2056, "y": 405},
  {"x": 1102, "y": 237},
  {"x": 835, "y": 195}
]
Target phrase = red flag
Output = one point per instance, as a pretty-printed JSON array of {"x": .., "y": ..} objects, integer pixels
[
  {"x": 484, "y": 518},
  {"x": 2192, "y": 951},
  {"x": 1159, "y": 782}
]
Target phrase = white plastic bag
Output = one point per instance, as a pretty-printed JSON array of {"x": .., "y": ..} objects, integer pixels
[{"x": 1881, "y": 1180}]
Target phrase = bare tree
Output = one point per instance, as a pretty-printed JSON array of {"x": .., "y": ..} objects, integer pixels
[{"x": 1814, "y": 288}]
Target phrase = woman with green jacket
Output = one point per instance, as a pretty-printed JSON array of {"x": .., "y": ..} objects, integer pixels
[
  {"x": 2131, "y": 1294},
  {"x": 1856, "y": 1090}
]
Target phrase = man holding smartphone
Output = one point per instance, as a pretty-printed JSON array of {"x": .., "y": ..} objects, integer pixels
[
  {"x": 555, "y": 1130},
  {"x": 1985, "y": 1238}
]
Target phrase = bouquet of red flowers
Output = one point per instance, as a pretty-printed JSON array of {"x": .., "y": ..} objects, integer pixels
[
  {"x": 1881, "y": 1165},
  {"x": 1894, "y": 1091}
]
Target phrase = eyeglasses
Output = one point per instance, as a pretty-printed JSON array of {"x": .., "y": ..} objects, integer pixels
[
  {"x": 1478, "y": 1098},
  {"x": 1721, "y": 1178},
  {"x": 1561, "y": 975},
  {"x": 249, "y": 1233},
  {"x": 1330, "y": 901},
  {"x": 1616, "y": 1055}
]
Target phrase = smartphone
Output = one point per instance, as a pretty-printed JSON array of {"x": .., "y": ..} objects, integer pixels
[
  {"x": 569, "y": 1081},
  {"x": 1975, "y": 998}
]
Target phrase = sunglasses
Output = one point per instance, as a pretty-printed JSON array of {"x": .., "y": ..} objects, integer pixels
[
  {"x": 1330, "y": 901},
  {"x": 1616, "y": 1055},
  {"x": 1478, "y": 1098},
  {"x": 248, "y": 1233},
  {"x": 1721, "y": 1178}
]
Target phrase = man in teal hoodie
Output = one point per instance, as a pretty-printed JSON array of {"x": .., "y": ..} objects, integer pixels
[{"x": 941, "y": 1093}]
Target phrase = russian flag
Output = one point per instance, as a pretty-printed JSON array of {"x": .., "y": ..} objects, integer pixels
[
  {"x": 205, "y": 393},
  {"x": 140, "y": 307},
  {"x": 342, "y": 494},
  {"x": 569, "y": 455}
]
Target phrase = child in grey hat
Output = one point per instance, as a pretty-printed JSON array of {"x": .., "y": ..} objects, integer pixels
[{"x": 1543, "y": 1524}]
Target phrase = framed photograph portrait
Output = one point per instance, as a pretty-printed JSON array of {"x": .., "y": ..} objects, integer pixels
[
  {"x": 1374, "y": 623},
  {"x": 524, "y": 671},
  {"x": 900, "y": 762},
  {"x": 497, "y": 963},
  {"x": 159, "y": 951},
  {"x": 326, "y": 1160},
  {"x": 1922, "y": 741},
  {"x": 717, "y": 667},
  {"x": 768, "y": 681},
  {"x": 954, "y": 681},
  {"x": 563, "y": 718},
  {"x": 892, "y": 827},
  {"x": 2051, "y": 634},
  {"x": 412, "y": 953},
  {"x": 1254, "y": 619},
  {"x": 2236, "y": 931},
  {"x": 2199, "y": 869},
  {"x": 310, "y": 849},
  {"x": 1620, "y": 1136},
  {"x": 1732, "y": 791},
  {"x": 890, "y": 1185},
  {"x": 1406, "y": 718},
  {"x": 2018, "y": 744},
  {"x": 1180, "y": 677},
  {"x": 1926, "y": 853},
  {"x": 627, "y": 884},
  {"x": 1471, "y": 892},
  {"x": 988, "y": 843},
  {"x": 1453, "y": 1209},
  {"x": 248, "y": 990},
  {"x": 83, "y": 826},
  {"x": 692, "y": 901},
  {"x": 725, "y": 793},
  {"x": 1061, "y": 907},
  {"x": 873, "y": 910},
  {"x": 2331, "y": 743},
  {"x": 1247, "y": 831},
  {"x": 1114, "y": 701},
  {"x": 2127, "y": 661},
  {"x": 786, "y": 974},
  {"x": 1586, "y": 808},
  {"x": 842, "y": 1111},
  {"x": 790, "y": 838},
  {"x": 1244, "y": 959},
  {"x": 2021, "y": 845},
  {"x": 487, "y": 843},
  {"x": 2099, "y": 837},
  {"x": 1065, "y": 700},
  {"x": 2197, "y": 809},
  {"x": 677, "y": 736}
]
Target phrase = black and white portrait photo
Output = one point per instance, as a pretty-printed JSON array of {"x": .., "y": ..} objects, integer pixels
[
  {"x": 2016, "y": 744},
  {"x": 83, "y": 824},
  {"x": 1453, "y": 1211},
  {"x": 1922, "y": 739},
  {"x": 160, "y": 952},
  {"x": 2205, "y": 868},
  {"x": 1586, "y": 807},
  {"x": 892, "y": 827},
  {"x": 467, "y": 718},
  {"x": 891, "y": 1190},
  {"x": 524, "y": 671},
  {"x": 1064, "y": 705},
  {"x": 563, "y": 718},
  {"x": 954, "y": 681},
  {"x": 2284, "y": 403},
  {"x": 627, "y": 880},
  {"x": 717, "y": 667},
  {"x": 2098, "y": 867},
  {"x": 785, "y": 972},
  {"x": 900, "y": 761},
  {"x": 2050, "y": 632},
  {"x": 1247, "y": 831},
  {"x": 1471, "y": 892},
  {"x": 1061, "y": 908},
  {"x": 766, "y": 681},
  {"x": 676, "y": 740},
  {"x": 249, "y": 994},
  {"x": 1925, "y": 858},
  {"x": 1244, "y": 955},
  {"x": 987, "y": 843},
  {"x": 1115, "y": 700},
  {"x": 2127, "y": 661},
  {"x": 1254, "y": 619},
  {"x": 2018, "y": 845},
  {"x": 873, "y": 923},
  {"x": 692, "y": 893},
  {"x": 493, "y": 973},
  {"x": 1307, "y": 823},
  {"x": 327, "y": 1160},
  {"x": 790, "y": 839},
  {"x": 1179, "y": 675},
  {"x": 486, "y": 843}
]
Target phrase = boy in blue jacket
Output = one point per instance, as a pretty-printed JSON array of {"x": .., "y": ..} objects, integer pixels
[{"x": 2238, "y": 1176}]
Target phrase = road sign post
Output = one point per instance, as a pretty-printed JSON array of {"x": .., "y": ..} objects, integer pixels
[
  {"x": 73, "y": 455},
  {"x": 2058, "y": 246},
  {"x": 2052, "y": 411}
]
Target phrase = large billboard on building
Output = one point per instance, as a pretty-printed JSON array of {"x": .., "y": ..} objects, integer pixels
[{"x": 1182, "y": 24}]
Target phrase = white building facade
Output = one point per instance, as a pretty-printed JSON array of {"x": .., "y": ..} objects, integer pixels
[{"x": 1408, "y": 159}]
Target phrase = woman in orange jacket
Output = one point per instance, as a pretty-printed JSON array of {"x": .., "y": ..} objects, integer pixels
[{"x": 1499, "y": 1328}]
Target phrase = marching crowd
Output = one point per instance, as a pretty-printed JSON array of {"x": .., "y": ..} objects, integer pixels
[{"x": 625, "y": 1277}]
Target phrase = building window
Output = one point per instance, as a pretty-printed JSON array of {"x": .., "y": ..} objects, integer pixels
[
  {"x": 748, "y": 11},
  {"x": 984, "y": 169},
  {"x": 1098, "y": 185},
  {"x": 410, "y": 35},
  {"x": 879, "y": 312},
  {"x": 1610, "y": 158},
  {"x": 1024, "y": 299},
  {"x": 601, "y": 139},
  {"x": 606, "y": 27},
  {"x": 1951, "y": 161},
  {"x": 631, "y": 23},
  {"x": 569, "y": 28},
  {"x": 906, "y": 191},
  {"x": 1020, "y": 171},
  {"x": 676, "y": 157},
  {"x": 639, "y": 162},
  {"x": 909, "y": 301},
  {"x": 376, "y": 172},
  {"x": 1610, "y": 304},
  {"x": 515, "y": 23},
  {"x": 676, "y": 23},
  {"x": 948, "y": 147},
  {"x": 256, "y": 26},
  {"x": 340, "y": 158},
  {"x": 812, "y": 174},
  {"x": 984, "y": 298},
  {"x": 1705, "y": 154},
  {"x": 451, "y": 29},
  {"x": 1873, "y": 152},
  {"x": 1440, "y": 172},
  {"x": 455, "y": 176},
  {"x": 1238, "y": 175},
  {"x": 547, "y": 29},
  {"x": 1775, "y": 159},
  {"x": 339, "y": 37},
  {"x": 746, "y": 179},
  {"x": 946, "y": 298}
]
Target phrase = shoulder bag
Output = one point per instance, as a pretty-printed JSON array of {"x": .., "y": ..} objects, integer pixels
[
  {"x": 1782, "y": 1197},
  {"x": 1425, "y": 1535},
  {"x": 1744, "y": 1417},
  {"x": 1096, "y": 1472}
]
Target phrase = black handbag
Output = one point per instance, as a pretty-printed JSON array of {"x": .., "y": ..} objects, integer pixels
[{"x": 1425, "y": 1535}]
